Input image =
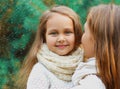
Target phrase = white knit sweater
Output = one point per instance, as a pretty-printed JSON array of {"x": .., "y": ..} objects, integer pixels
[{"x": 41, "y": 78}]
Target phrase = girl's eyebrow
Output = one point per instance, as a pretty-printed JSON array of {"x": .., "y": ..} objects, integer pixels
[
  {"x": 68, "y": 29},
  {"x": 52, "y": 30}
]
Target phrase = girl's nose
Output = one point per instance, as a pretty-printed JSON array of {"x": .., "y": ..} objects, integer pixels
[{"x": 61, "y": 39}]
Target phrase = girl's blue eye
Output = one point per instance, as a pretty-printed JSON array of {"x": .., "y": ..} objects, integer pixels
[
  {"x": 68, "y": 32},
  {"x": 53, "y": 33}
]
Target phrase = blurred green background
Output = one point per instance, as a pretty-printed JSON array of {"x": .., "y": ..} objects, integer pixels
[{"x": 18, "y": 22}]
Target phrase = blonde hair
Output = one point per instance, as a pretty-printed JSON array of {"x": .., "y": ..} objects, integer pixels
[
  {"x": 104, "y": 24},
  {"x": 31, "y": 58}
]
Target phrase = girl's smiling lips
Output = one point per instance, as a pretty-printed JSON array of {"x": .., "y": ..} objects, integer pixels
[{"x": 61, "y": 46}]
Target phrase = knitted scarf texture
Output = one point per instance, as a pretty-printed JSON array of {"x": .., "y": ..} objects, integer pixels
[{"x": 62, "y": 67}]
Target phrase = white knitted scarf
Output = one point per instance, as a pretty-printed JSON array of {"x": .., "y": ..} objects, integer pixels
[{"x": 62, "y": 66}]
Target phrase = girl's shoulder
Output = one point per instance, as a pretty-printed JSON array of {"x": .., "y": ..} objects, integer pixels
[
  {"x": 36, "y": 71},
  {"x": 38, "y": 68},
  {"x": 37, "y": 78}
]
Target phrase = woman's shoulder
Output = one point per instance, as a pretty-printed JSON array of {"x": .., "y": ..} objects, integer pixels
[
  {"x": 93, "y": 81},
  {"x": 90, "y": 82}
]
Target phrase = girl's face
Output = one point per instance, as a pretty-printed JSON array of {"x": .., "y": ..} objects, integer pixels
[
  {"x": 60, "y": 37},
  {"x": 88, "y": 42}
]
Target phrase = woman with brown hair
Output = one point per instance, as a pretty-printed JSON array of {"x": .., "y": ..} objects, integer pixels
[{"x": 101, "y": 43}]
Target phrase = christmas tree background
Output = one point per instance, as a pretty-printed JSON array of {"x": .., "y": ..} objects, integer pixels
[{"x": 19, "y": 20}]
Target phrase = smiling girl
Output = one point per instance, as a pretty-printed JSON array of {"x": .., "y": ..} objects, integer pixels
[{"x": 55, "y": 52}]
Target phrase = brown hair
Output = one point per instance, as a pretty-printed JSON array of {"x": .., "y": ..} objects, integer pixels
[
  {"x": 104, "y": 24},
  {"x": 31, "y": 58}
]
